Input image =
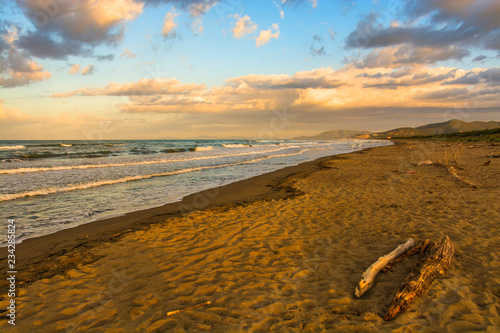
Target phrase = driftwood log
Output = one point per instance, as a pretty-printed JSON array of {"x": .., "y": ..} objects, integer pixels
[
  {"x": 433, "y": 263},
  {"x": 453, "y": 172},
  {"x": 369, "y": 275},
  {"x": 419, "y": 248}
]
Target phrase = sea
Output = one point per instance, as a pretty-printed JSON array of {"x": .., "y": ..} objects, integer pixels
[{"x": 47, "y": 186}]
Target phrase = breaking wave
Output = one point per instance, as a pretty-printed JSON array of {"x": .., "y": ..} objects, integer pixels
[
  {"x": 110, "y": 165},
  {"x": 12, "y": 147},
  {"x": 204, "y": 148},
  {"x": 238, "y": 145},
  {"x": 83, "y": 186}
]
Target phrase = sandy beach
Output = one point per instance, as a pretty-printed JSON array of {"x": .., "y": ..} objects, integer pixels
[{"x": 279, "y": 252}]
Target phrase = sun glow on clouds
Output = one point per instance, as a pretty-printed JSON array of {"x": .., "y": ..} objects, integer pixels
[
  {"x": 17, "y": 67},
  {"x": 12, "y": 115},
  {"x": 265, "y": 36},
  {"x": 420, "y": 60},
  {"x": 169, "y": 25},
  {"x": 243, "y": 26},
  {"x": 86, "y": 20},
  {"x": 321, "y": 90}
]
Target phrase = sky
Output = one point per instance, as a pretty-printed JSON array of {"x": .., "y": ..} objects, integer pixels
[{"x": 164, "y": 69}]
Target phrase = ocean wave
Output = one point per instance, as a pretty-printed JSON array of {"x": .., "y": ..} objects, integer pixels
[
  {"x": 142, "y": 151},
  {"x": 83, "y": 186},
  {"x": 237, "y": 145},
  {"x": 111, "y": 165},
  {"x": 12, "y": 147},
  {"x": 270, "y": 145},
  {"x": 203, "y": 148},
  {"x": 60, "y": 144},
  {"x": 175, "y": 150},
  {"x": 47, "y": 154}
]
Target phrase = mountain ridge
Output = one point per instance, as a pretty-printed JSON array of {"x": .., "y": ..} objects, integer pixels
[
  {"x": 333, "y": 135},
  {"x": 447, "y": 127}
]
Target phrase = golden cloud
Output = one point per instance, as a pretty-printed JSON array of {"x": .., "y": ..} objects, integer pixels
[{"x": 322, "y": 89}]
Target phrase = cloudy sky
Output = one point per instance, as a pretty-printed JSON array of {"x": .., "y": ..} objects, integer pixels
[{"x": 144, "y": 69}]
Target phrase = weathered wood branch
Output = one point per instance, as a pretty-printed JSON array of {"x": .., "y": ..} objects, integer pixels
[
  {"x": 433, "y": 263},
  {"x": 419, "y": 248},
  {"x": 369, "y": 275},
  {"x": 453, "y": 172}
]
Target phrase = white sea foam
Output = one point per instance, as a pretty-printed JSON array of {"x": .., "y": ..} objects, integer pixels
[
  {"x": 12, "y": 147},
  {"x": 111, "y": 165},
  {"x": 203, "y": 148},
  {"x": 238, "y": 145}
]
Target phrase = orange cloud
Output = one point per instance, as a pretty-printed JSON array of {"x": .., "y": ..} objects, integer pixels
[
  {"x": 77, "y": 18},
  {"x": 12, "y": 115},
  {"x": 145, "y": 87},
  {"x": 169, "y": 25},
  {"x": 90, "y": 69},
  {"x": 318, "y": 90},
  {"x": 243, "y": 26},
  {"x": 33, "y": 72},
  {"x": 17, "y": 67},
  {"x": 265, "y": 36},
  {"x": 74, "y": 69}
]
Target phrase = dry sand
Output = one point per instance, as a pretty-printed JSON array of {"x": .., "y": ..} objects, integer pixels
[{"x": 288, "y": 260}]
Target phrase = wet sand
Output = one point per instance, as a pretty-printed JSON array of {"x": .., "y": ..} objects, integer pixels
[{"x": 279, "y": 252}]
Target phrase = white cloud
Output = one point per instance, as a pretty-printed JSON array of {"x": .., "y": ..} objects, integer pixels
[
  {"x": 282, "y": 13},
  {"x": 197, "y": 25},
  {"x": 266, "y": 35},
  {"x": 243, "y": 26},
  {"x": 197, "y": 10},
  {"x": 169, "y": 25}
]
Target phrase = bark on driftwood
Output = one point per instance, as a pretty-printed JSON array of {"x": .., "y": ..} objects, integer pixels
[
  {"x": 369, "y": 275},
  {"x": 433, "y": 263},
  {"x": 419, "y": 248}
]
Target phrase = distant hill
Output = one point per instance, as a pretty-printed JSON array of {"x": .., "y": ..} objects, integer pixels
[
  {"x": 491, "y": 135},
  {"x": 447, "y": 127},
  {"x": 333, "y": 135},
  {"x": 451, "y": 126}
]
